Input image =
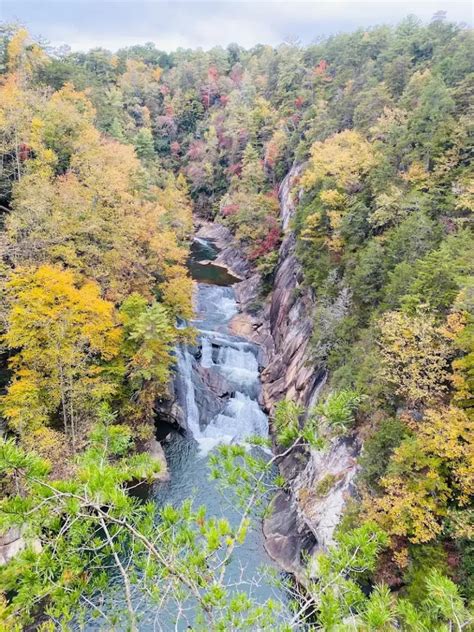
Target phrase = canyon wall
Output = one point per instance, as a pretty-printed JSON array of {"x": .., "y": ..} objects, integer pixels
[{"x": 307, "y": 511}]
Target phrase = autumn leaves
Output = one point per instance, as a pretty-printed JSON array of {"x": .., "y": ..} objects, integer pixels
[{"x": 96, "y": 272}]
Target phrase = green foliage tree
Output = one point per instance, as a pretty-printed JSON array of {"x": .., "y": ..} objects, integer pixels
[{"x": 144, "y": 144}]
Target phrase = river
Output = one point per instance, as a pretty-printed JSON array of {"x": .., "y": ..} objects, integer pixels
[{"x": 218, "y": 386}]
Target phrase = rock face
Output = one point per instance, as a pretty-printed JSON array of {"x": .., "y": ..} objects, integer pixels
[
  {"x": 304, "y": 517},
  {"x": 283, "y": 325},
  {"x": 323, "y": 487}
]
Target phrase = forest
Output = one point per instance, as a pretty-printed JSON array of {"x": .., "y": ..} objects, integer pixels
[{"x": 106, "y": 161}]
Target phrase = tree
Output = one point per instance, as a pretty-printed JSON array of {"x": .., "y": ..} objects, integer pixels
[
  {"x": 94, "y": 533},
  {"x": 16, "y": 109},
  {"x": 24, "y": 56},
  {"x": 148, "y": 345},
  {"x": 430, "y": 470},
  {"x": 253, "y": 177},
  {"x": 344, "y": 158},
  {"x": 116, "y": 130},
  {"x": 415, "y": 356},
  {"x": 144, "y": 144},
  {"x": 338, "y": 410},
  {"x": 60, "y": 332}
]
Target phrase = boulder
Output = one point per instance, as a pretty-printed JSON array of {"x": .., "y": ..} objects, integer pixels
[{"x": 156, "y": 452}]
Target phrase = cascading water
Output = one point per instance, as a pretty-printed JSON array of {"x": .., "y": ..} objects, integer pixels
[
  {"x": 228, "y": 360},
  {"x": 218, "y": 387}
]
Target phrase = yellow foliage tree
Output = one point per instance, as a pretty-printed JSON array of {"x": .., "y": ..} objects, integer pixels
[
  {"x": 459, "y": 328},
  {"x": 97, "y": 217},
  {"x": 344, "y": 158},
  {"x": 60, "y": 331},
  {"x": 23, "y": 55},
  {"x": 176, "y": 295},
  {"x": 16, "y": 111},
  {"x": 427, "y": 471},
  {"x": 415, "y": 355}
]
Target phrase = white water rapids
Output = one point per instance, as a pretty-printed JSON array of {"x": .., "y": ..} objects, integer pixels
[
  {"x": 217, "y": 386},
  {"x": 233, "y": 360}
]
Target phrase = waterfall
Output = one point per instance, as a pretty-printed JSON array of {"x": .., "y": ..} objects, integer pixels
[
  {"x": 287, "y": 207},
  {"x": 206, "y": 352},
  {"x": 223, "y": 357},
  {"x": 188, "y": 399}
]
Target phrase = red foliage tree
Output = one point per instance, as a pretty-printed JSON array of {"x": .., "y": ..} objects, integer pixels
[
  {"x": 321, "y": 68},
  {"x": 23, "y": 152},
  {"x": 234, "y": 169},
  {"x": 212, "y": 74},
  {"x": 230, "y": 209},
  {"x": 175, "y": 147},
  {"x": 270, "y": 242},
  {"x": 196, "y": 150}
]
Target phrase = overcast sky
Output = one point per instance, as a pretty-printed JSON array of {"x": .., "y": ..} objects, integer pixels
[{"x": 84, "y": 24}]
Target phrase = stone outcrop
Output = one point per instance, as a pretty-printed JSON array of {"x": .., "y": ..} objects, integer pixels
[
  {"x": 322, "y": 488},
  {"x": 230, "y": 255},
  {"x": 305, "y": 515},
  {"x": 154, "y": 449},
  {"x": 290, "y": 373}
]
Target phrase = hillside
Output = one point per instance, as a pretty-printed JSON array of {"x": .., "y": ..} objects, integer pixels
[{"x": 335, "y": 181}]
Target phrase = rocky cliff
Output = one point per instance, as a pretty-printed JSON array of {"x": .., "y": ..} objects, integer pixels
[{"x": 306, "y": 513}]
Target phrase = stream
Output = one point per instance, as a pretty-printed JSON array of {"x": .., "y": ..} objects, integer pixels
[
  {"x": 218, "y": 387},
  {"x": 231, "y": 365}
]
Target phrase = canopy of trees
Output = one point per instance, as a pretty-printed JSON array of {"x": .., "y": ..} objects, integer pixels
[{"x": 102, "y": 157}]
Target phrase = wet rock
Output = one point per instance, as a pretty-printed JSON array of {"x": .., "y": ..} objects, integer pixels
[
  {"x": 215, "y": 382},
  {"x": 288, "y": 317},
  {"x": 211, "y": 392},
  {"x": 244, "y": 325},
  {"x": 169, "y": 409},
  {"x": 287, "y": 208},
  {"x": 153, "y": 448},
  {"x": 319, "y": 483}
]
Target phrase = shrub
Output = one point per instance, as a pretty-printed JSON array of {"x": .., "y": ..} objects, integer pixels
[{"x": 338, "y": 410}]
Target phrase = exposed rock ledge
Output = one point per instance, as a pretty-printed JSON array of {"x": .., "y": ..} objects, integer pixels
[
  {"x": 305, "y": 515},
  {"x": 230, "y": 256},
  {"x": 154, "y": 449}
]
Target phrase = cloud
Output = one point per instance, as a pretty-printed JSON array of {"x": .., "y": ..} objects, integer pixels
[{"x": 85, "y": 24}]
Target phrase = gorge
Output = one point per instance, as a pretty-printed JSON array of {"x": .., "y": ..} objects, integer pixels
[
  {"x": 236, "y": 327},
  {"x": 281, "y": 330}
]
